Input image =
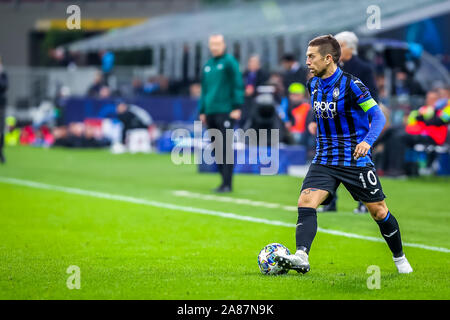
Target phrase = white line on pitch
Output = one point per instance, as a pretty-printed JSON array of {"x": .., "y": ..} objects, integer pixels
[
  {"x": 188, "y": 194},
  {"x": 227, "y": 215}
]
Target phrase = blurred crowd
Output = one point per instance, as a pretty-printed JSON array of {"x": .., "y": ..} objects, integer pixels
[{"x": 289, "y": 110}]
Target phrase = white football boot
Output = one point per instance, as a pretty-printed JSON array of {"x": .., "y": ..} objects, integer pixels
[
  {"x": 402, "y": 265},
  {"x": 298, "y": 261}
]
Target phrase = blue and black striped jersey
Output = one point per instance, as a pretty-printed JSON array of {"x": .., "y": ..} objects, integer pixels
[{"x": 339, "y": 104}]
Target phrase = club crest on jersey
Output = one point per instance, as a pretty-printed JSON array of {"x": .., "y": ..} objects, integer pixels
[
  {"x": 336, "y": 93},
  {"x": 325, "y": 110}
]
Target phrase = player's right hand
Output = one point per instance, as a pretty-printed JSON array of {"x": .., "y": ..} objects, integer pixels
[
  {"x": 202, "y": 118},
  {"x": 361, "y": 150}
]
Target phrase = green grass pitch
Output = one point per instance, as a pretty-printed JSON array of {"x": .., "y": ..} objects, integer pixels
[{"x": 129, "y": 250}]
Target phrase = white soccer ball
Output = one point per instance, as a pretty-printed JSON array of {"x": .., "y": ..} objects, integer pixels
[{"x": 266, "y": 259}]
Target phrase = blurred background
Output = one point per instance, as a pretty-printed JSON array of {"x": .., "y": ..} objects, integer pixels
[{"x": 71, "y": 87}]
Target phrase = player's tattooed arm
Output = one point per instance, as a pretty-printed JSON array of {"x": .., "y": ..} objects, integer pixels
[{"x": 309, "y": 190}]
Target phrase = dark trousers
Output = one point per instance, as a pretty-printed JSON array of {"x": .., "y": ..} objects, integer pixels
[
  {"x": 2, "y": 127},
  {"x": 222, "y": 122}
]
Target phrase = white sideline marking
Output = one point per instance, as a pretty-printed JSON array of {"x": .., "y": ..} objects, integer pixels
[
  {"x": 188, "y": 194},
  {"x": 228, "y": 215}
]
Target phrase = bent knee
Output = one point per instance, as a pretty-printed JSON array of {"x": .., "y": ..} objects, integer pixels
[
  {"x": 378, "y": 210},
  {"x": 311, "y": 198},
  {"x": 306, "y": 202}
]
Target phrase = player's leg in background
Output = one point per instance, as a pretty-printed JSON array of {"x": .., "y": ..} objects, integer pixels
[
  {"x": 213, "y": 122},
  {"x": 2, "y": 139},
  {"x": 390, "y": 231},
  {"x": 228, "y": 152},
  {"x": 332, "y": 206},
  {"x": 2, "y": 132},
  {"x": 306, "y": 227}
]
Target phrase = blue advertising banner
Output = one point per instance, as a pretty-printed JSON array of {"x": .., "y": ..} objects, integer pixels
[{"x": 162, "y": 109}]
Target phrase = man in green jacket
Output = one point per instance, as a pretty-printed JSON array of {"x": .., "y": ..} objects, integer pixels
[{"x": 221, "y": 100}]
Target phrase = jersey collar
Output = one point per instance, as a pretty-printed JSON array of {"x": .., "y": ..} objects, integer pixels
[{"x": 330, "y": 81}]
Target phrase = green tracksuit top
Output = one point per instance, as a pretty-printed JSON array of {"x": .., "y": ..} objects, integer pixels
[{"x": 222, "y": 85}]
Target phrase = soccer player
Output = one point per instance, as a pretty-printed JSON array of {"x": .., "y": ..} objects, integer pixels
[{"x": 348, "y": 123}]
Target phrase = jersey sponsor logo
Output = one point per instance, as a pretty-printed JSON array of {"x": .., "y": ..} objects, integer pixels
[
  {"x": 314, "y": 91},
  {"x": 325, "y": 110}
]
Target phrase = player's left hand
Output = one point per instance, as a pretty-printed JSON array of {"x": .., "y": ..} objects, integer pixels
[{"x": 361, "y": 150}]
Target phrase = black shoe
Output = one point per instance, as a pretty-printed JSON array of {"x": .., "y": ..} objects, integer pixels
[
  {"x": 2, "y": 158},
  {"x": 327, "y": 208},
  {"x": 222, "y": 189}
]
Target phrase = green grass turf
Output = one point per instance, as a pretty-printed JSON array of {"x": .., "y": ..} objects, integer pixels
[{"x": 132, "y": 251}]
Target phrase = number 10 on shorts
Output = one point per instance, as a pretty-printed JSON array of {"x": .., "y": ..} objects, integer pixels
[{"x": 371, "y": 177}]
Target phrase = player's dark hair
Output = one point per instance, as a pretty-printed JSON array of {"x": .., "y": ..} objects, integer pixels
[{"x": 327, "y": 45}]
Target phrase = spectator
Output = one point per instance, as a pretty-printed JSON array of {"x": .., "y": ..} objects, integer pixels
[
  {"x": 105, "y": 92},
  {"x": 299, "y": 114},
  {"x": 164, "y": 86},
  {"x": 94, "y": 89},
  {"x": 62, "y": 57},
  {"x": 195, "y": 90},
  {"x": 380, "y": 82},
  {"x": 276, "y": 80},
  {"x": 404, "y": 85},
  {"x": 132, "y": 117},
  {"x": 3, "y": 89},
  {"x": 151, "y": 86},
  {"x": 444, "y": 96},
  {"x": 158, "y": 85},
  {"x": 254, "y": 76},
  {"x": 293, "y": 71},
  {"x": 444, "y": 92},
  {"x": 351, "y": 63},
  {"x": 78, "y": 135},
  {"x": 62, "y": 92},
  {"x": 423, "y": 126},
  {"x": 107, "y": 63},
  {"x": 12, "y": 135},
  {"x": 138, "y": 87}
]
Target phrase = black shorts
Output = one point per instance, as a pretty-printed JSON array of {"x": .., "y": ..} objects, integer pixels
[{"x": 362, "y": 182}]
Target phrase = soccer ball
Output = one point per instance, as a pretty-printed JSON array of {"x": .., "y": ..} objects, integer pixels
[{"x": 266, "y": 259}]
